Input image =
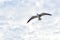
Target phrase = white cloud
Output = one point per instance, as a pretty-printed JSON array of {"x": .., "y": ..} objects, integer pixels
[
  {"x": 2, "y": 1},
  {"x": 46, "y": 32}
]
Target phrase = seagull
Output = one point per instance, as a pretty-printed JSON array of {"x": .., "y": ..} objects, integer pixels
[{"x": 38, "y": 16}]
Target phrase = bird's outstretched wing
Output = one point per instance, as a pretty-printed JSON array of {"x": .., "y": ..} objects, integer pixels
[
  {"x": 31, "y": 18},
  {"x": 44, "y": 14}
]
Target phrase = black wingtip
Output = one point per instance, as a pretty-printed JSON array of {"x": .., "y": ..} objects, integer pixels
[
  {"x": 27, "y": 22},
  {"x": 50, "y": 14}
]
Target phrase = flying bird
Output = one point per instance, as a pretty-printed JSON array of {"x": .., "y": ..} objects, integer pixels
[{"x": 38, "y": 16}]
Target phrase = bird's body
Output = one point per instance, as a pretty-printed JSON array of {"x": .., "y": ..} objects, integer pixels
[{"x": 38, "y": 16}]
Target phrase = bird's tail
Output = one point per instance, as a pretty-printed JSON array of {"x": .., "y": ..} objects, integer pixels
[{"x": 39, "y": 18}]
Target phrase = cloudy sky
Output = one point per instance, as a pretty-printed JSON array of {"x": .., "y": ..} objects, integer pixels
[{"x": 15, "y": 13}]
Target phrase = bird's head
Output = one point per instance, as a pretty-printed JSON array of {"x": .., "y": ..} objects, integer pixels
[{"x": 37, "y": 14}]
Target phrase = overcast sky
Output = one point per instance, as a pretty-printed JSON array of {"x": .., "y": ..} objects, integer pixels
[{"x": 15, "y": 13}]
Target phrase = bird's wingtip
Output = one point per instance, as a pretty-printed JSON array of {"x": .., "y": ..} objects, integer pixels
[
  {"x": 50, "y": 14},
  {"x": 27, "y": 22}
]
